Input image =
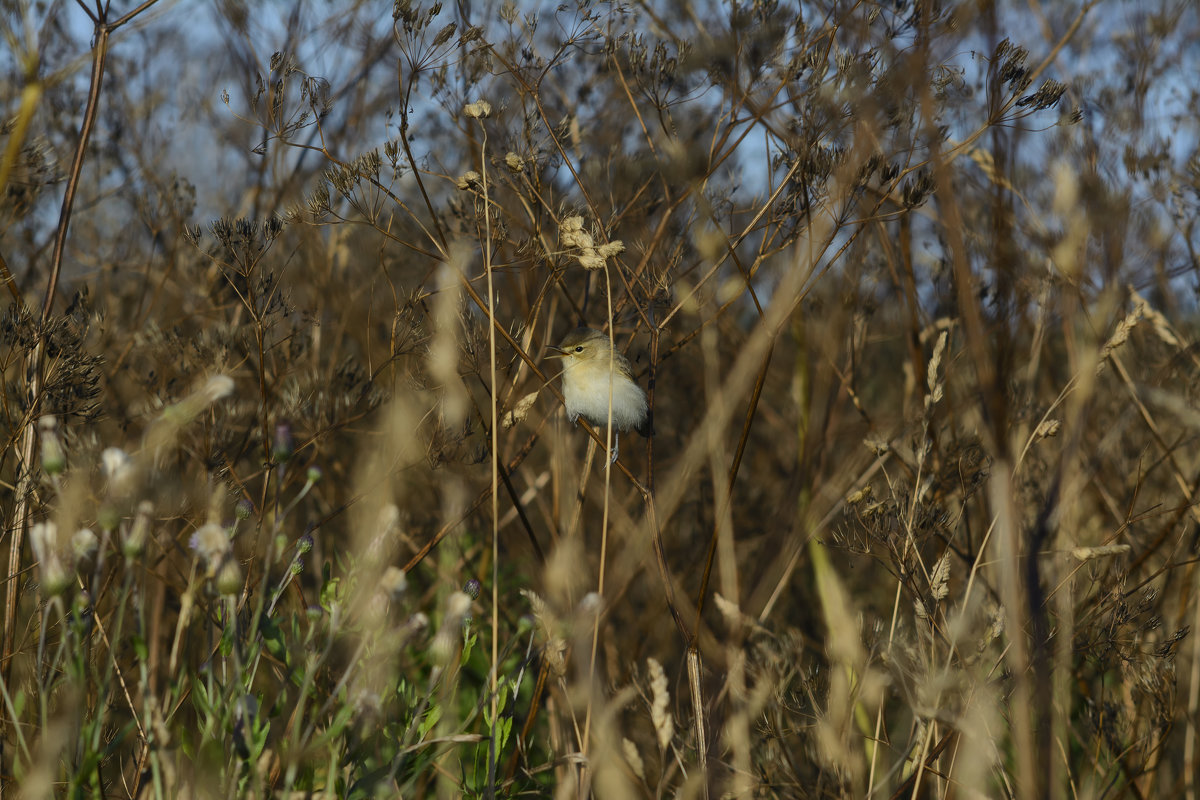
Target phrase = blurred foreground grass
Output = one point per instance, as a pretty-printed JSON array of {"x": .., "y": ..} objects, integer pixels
[{"x": 290, "y": 505}]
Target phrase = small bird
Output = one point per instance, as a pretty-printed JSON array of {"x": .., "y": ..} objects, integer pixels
[{"x": 589, "y": 364}]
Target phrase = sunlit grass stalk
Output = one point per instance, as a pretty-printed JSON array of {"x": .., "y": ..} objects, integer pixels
[{"x": 479, "y": 111}]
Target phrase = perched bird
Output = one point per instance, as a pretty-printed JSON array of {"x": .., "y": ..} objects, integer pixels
[{"x": 590, "y": 366}]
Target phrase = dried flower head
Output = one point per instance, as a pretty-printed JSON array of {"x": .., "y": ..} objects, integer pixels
[
  {"x": 633, "y": 758},
  {"x": 574, "y": 237},
  {"x": 212, "y": 544},
  {"x": 519, "y": 411},
  {"x": 394, "y": 582},
  {"x": 445, "y": 643},
  {"x": 84, "y": 543},
  {"x": 660, "y": 714},
  {"x": 478, "y": 109},
  {"x": 458, "y": 604},
  {"x": 1047, "y": 429},
  {"x": 134, "y": 541},
  {"x": 590, "y": 260},
  {"x": 43, "y": 538},
  {"x": 117, "y": 467},
  {"x": 1103, "y": 551},
  {"x": 613, "y": 248}
]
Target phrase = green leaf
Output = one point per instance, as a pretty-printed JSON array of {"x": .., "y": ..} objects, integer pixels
[
  {"x": 469, "y": 640},
  {"x": 273, "y": 637},
  {"x": 226, "y": 647},
  {"x": 431, "y": 718},
  {"x": 503, "y": 733},
  {"x": 258, "y": 740},
  {"x": 200, "y": 696},
  {"x": 329, "y": 591}
]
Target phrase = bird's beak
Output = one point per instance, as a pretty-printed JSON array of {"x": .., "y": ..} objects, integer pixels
[{"x": 561, "y": 353}]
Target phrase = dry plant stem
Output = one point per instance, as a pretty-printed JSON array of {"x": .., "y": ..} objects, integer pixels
[
  {"x": 911, "y": 786},
  {"x": 723, "y": 539},
  {"x": 695, "y": 671},
  {"x": 787, "y": 296},
  {"x": 412, "y": 163},
  {"x": 1189, "y": 740},
  {"x": 535, "y": 96},
  {"x": 821, "y": 525},
  {"x": 20, "y": 519},
  {"x": 539, "y": 689},
  {"x": 1000, "y": 486},
  {"x": 1000, "y": 492},
  {"x": 750, "y": 226},
  {"x": 581, "y": 492},
  {"x": 7, "y": 277},
  {"x": 31, "y": 96},
  {"x": 608, "y": 462},
  {"x": 1169, "y": 453},
  {"x": 524, "y": 356},
  {"x": 964, "y": 146},
  {"x": 493, "y": 676},
  {"x": 660, "y": 550},
  {"x": 519, "y": 507},
  {"x": 471, "y": 509},
  {"x": 727, "y": 497}
]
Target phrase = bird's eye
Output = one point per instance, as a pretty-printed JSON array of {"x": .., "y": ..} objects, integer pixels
[{"x": 579, "y": 349}]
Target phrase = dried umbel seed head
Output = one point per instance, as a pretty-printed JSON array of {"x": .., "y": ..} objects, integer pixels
[
  {"x": 478, "y": 109},
  {"x": 469, "y": 180}
]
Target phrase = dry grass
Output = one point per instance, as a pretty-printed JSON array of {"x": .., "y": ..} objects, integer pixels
[{"x": 293, "y": 510}]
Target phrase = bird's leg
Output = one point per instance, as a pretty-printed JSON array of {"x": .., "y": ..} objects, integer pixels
[{"x": 616, "y": 447}]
